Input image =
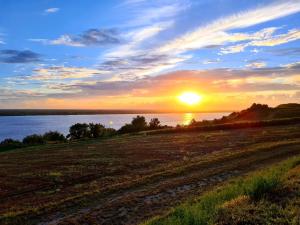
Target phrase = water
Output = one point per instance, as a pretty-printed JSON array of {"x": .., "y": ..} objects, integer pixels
[{"x": 17, "y": 127}]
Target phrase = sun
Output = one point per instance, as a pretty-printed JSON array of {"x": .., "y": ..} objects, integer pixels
[{"x": 190, "y": 98}]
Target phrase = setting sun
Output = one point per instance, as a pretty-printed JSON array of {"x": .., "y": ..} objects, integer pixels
[{"x": 190, "y": 98}]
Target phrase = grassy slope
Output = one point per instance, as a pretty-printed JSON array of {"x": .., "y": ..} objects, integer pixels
[{"x": 266, "y": 197}]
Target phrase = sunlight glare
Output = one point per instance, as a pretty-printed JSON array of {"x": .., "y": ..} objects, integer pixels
[{"x": 190, "y": 98}]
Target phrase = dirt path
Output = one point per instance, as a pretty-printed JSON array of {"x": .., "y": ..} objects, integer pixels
[{"x": 156, "y": 197}]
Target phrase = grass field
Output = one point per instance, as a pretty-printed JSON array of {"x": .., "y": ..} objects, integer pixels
[{"x": 129, "y": 179}]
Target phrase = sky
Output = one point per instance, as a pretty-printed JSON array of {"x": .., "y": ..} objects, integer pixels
[{"x": 138, "y": 54}]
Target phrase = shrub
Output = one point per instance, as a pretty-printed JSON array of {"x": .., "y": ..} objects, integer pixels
[
  {"x": 54, "y": 136},
  {"x": 34, "y": 139},
  {"x": 10, "y": 144}
]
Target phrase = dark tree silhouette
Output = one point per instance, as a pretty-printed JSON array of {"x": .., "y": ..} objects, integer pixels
[
  {"x": 33, "y": 139},
  {"x": 54, "y": 136},
  {"x": 154, "y": 123},
  {"x": 79, "y": 130},
  {"x": 96, "y": 130}
]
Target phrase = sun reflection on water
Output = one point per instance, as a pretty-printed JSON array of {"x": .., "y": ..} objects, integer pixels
[{"x": 187, "y": 118}]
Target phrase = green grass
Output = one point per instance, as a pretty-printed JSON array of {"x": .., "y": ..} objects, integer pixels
[{"x": 205, "y": 210}]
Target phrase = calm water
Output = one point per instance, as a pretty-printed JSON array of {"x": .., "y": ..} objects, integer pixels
[{"x": 18, "y": 127}]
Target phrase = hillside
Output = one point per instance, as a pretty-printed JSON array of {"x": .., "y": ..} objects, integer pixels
[
  {"x": 257, "y": 112},
  {"x": 264, "y": 112}
]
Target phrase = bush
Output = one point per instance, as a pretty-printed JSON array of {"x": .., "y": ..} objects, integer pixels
[
  {"x": 34, "y": 139},
  {"x": 54, "y": 136},
  {"x": 10, "y": 144}
]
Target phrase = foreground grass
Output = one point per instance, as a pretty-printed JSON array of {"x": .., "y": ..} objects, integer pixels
[{"x": 242, "y": 202}]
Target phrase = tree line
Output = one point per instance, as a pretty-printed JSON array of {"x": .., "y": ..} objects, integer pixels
[{"x": 82, "y": 131}]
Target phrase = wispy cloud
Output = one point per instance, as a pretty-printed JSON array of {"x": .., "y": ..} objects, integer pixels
[
  {"x": 215, "y": 80},
  {"x": 134, "y": 58},
  {"x": 256, "y": 64},
  {"x": 285, "y": 51},
  {"x": 211, "y": 61},
  {"x": 268, "y": 40},
  {"x": 91, "y": 37},
  {"x": 149, "y": 12},
  {"x": 51, "y": 10},
  {"x": 215, "y": 32},
  {"x": 16, "y": 56},
  {"x": 2, "y": 39},
  {"x": 62, "y": 73}
]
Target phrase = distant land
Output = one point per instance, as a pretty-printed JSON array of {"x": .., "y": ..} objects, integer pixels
[{"x": 45, "y": 112}]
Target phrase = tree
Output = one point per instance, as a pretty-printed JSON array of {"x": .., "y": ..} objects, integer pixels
[
  {"x": 34, "y": 139},
  {"x": 154, "y": 123},
  {"x": 96, "y": 130},
  {"x": 192, "y": 123},
  {"x": 79, "y": 130},
  {"x": 139, "y": 123},
  {"x": 127, "y": 128},
  {"x": 54, "y": 136}
]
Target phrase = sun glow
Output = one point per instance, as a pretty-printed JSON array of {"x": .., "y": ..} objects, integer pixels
[{"x": 190, "y": 98}]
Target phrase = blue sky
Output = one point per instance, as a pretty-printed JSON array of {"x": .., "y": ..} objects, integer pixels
[{"x": 140, "y": 54}]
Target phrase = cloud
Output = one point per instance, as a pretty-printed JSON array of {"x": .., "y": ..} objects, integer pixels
[
  {"x": 91, "y": 37},
  {"x": 62, "y": 73},
  {"x": 51, "y": 10},
  {"x": 212, "y": 81},
  {"x": 211, "y": 61},
  {"x": 267, "y": 40},
  {"x": 214, "y": 33},
  {"x": 285, "y": 51},
  {"x": 149, "y": 12},
  {"x": 220, "y": 86},
  {"x": 1, "y": 39},
  {"x": 133, "y": 2},
  {"x": 133, "y": 59},
  {"x": 256, "y": 64},
  {"x": 292, "y": 35},
  {"x": 15, "y": 56}
]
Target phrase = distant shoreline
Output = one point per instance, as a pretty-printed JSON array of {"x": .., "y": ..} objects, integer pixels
[{"x": 53, "y": 112}]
